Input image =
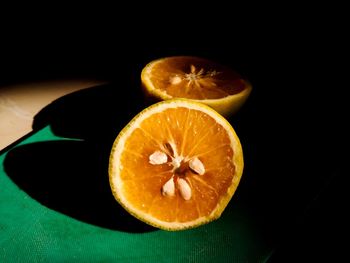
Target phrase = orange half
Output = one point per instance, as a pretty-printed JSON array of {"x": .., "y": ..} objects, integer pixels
[
  {"x": 176, "y": 165},
  {"x": 198, "y": 79}
]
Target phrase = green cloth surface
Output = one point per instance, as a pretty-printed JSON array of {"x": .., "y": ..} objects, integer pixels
[{"x": 33, "y": 232}]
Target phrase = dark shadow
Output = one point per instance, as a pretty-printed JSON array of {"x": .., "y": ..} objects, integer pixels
[
  {"x": 95, "y": 113},
  {"x": 70, "y": 177}
]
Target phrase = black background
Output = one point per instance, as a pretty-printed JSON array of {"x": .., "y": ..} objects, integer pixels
[{"x": 291, "y": 128}]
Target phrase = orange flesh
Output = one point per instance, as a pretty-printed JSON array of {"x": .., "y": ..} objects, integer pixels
[
  {"x": 209, "y": 80},
  {"x": 195, "y": 134}
]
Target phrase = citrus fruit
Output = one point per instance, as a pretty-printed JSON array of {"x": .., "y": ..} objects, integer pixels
[
  {"x": 176, "y": 165},
  {"x": 196, "y": 78}
]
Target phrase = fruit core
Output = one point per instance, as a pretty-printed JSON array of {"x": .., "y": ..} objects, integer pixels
[{"x": 181, "y": 167}]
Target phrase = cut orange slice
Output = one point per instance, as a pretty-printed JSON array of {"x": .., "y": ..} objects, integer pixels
[
  {"x": 176, "y": 165},
  {"x": 195, "y": 78}
]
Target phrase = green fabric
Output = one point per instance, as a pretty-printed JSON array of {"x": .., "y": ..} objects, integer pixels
[{"x": 32, "y": 232}]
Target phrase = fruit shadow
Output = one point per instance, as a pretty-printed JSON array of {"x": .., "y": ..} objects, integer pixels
[{"x": 71, "y": 176}]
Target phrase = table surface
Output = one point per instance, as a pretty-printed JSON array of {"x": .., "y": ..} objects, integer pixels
[
  {"x": 47, "y": 212},
  {"x": 20, "y": 102},
  {"x": 56, "y": 204}
]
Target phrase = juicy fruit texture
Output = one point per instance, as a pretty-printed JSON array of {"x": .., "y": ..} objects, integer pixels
[
  {"x": 176, "y": 165},
  {"x": 198, "y": 79}
]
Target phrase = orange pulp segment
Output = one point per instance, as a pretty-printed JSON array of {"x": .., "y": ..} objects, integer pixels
[
  {"x": 176, "y": 165},
  {"x": 198, "y": 79}
]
